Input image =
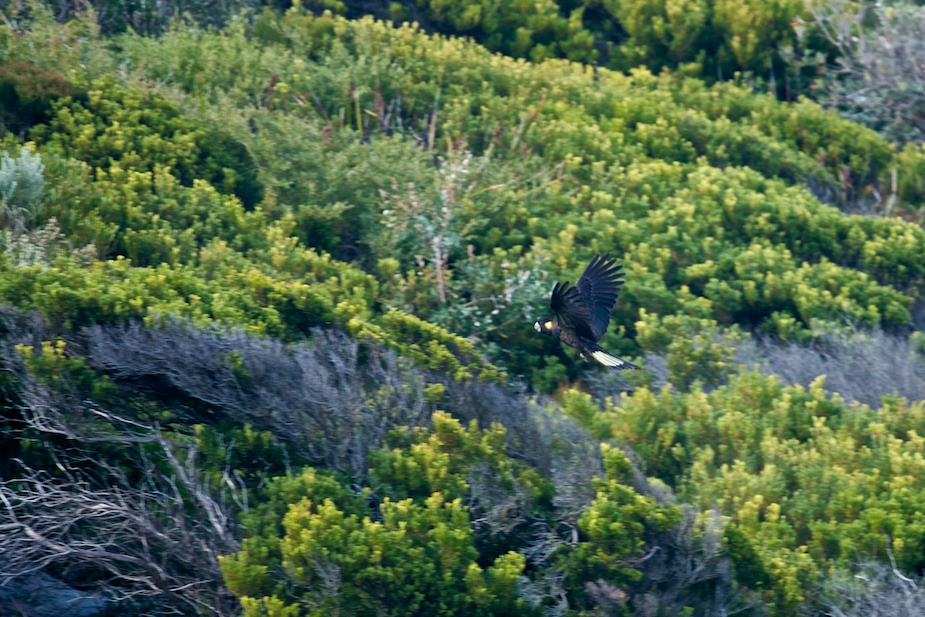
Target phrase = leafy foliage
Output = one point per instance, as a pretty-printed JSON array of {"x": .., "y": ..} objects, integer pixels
[
  {"x": 808, "y": 478},
  {"x": 416, "y": 554},
  {"x": 316, "y": 241},
  {"x": 416, "y": 548},
  {"x": 781, "y": 261},
  {"x": 707, "y": 38}
]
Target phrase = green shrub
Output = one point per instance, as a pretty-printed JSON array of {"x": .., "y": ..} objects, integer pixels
[
  {"x": 811, "y": 480},
  {"x": 211, "y": 169},
  {"x": 697, "y": 188},
  {"x": 615, "y": 526},
  {"x": 417, "y": 555},
  {"x": 137, "y": 131}
]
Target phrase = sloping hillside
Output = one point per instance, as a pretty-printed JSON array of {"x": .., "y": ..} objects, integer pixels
[{"x": 258, "y": 280}]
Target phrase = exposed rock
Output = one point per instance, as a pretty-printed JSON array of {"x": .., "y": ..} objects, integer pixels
[{"x": 41, "y": 595}]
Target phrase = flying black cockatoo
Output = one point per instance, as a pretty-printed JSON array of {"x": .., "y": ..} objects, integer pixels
[{"x": 583, "y": 312}]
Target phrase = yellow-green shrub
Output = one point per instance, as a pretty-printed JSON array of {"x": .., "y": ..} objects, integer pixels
[{"x": 813, "y": 481}]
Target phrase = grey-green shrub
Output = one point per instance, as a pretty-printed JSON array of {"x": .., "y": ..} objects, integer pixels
[{"x": 22, "y": 186}]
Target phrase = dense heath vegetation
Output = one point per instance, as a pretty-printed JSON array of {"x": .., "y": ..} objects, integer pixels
[{"x": 268, "y": 279}]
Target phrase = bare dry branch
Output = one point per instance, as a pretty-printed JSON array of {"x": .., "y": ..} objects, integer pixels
[
  {"x": 137, "y": 540},
  {"x": 320, "y": 397},
  {"x": 873, "y": 590}
]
